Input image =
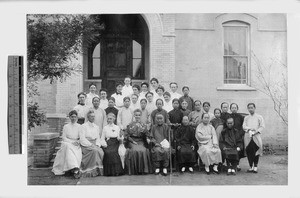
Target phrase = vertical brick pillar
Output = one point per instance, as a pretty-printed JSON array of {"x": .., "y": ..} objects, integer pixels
[
  {"x": 56, "y": 123},
  {"x": 43, "y": 148}
]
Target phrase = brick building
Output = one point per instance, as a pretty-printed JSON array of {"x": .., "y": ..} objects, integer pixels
[{"x": 213, "y": 54}]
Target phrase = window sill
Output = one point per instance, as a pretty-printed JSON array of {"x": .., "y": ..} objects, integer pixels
[
  {"x": 93, "y": 80},
  {"x": 235, "y": 87}
]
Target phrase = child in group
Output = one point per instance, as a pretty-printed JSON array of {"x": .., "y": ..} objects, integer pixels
[
  {"x": 174, "y": 94},
  {"x": 195, "y": 117},
  {"x": 118, "y": 95},
  {"x": 134, "y": 102},
  {"x": 103, "y": 98},
  {"x": 111, "y": 108},
  {"x": 144, "y": 90},
  {"x": 154, "y": 85},
  {"x": 160, "y": 93},
  {"x": 145, "y": 116},
  {"x": 151, "y": 104},
  {"x": 217, "y": 122},
  {"x": 159, "y": 104},
  {"x": 125, "y": 115},
  {"x": 136, "y": 89},
  {"x": 168, "y": 102},
  {"x": 91, "y": 95},
  {"x": 187, "y": 98},
  {"x": 127, "y": 89},
  {"x": 224, "y": 114},
  {"x": 206, "y": 107}
]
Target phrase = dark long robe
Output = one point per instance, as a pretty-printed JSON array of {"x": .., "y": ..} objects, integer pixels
[
  {"x": 175, "y": 117},
  {"x": 224, "y": 117},
  {"x": 112, "y": 110},
  {"x": 185, "y": 138},
  {"x": 231, "y": 139},
  {"x": 189, "y": 100},
  {"x": 238, "y": 124},
  {"x": 163, "y": 112},
  {"x": 186, "y": 112}
]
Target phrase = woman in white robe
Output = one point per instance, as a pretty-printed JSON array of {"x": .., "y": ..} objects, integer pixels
[{"x": 69, "y": 156}]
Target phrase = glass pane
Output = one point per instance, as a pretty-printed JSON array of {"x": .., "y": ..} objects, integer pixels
[
  {"x": 136, "y": 50},
  {"x": 136, "y": 68},
  {"x": 235, "y": 70},
  {"x": 96, "y": 52},
  {"x": 235, "y": 40},
  {"x": 96, "y": 67}
]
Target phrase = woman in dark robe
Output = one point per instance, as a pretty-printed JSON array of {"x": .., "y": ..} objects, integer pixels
[
  {"x": 137, "y": 159},
  {"x": 111, "y": 108},
  {"x": 186, "y": 143},
  {"x": 175, "y": 117}
]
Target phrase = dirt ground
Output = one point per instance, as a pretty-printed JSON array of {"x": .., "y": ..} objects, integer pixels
[{"x": 273, "y": 170}]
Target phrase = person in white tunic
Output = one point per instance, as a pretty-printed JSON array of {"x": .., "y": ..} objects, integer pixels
[
  {"x": 81, "y": 108},
  {"x": 125, "y": 115},
  {"x": 144, "y": 90},
  {"x": 92, "y": 153},
  {"x": 91, "y": 95},
  {"x": 100, "y": 115},
  {"x": 68, "y": 157},
  {"x": 151, "y": 106},
  {"x": 127, "y": 90},
  {"x": 168, "y": 106},
  {"x": 118, "y": 96},
  {"x": 135, "y": 104},
  {"x": 174, "y": 94},
  {"x": 209, "y": 150},
  {"x": 253, "y": 125},
  {"x": 103, "y": 99}
]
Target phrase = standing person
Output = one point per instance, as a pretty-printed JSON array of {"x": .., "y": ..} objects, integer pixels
[
  {"x": 224, "y": 113},
  {"x": 68, "y": 157},
  {"x": 151, "y": 104},
  {"x": 154, "y": 85},
  {"x": 145, "y": 115},
  {"x": 111, "y": 138},
  {"x": 100, "y": 114},
  {"x": 196, "y": 115},
  {"x": 136, "y": 89},
  {"x": 125, "y": 115},
  {"x": 92, "y": 154},
  {"x": 135, "y": 104},
  {"x": 187, "y": 98},
  {"x": 144, "y": 90},
  {"x": 186, "y": 144},
  {"x": 127, "y": 89},
  {"x": 209, "y": 150},
  {"x": 159, "y": 138},
  {"x": 111, "y": 108},
  {"x": 217, "y": 122},
  {"x": 184, "y": 109},
  {"x": 174, "y": 94},
  {"x": 160, "y": 93},
  {"x": 206, "y": 107},
  {"x": 160, "y": 110},
  {"x": 91, "y": 95},
  {"x": 81, "y": 108},
  {"x": 118, "y": 95},
  {"x": 168, "y": 102},
  {"x": 238, "y": 121},
  {"x": 103, "y": 99},
  {"x": 253, "y": 126},
  {"x": 231, "y": 143},
  {"x": 137, "y": 159}
]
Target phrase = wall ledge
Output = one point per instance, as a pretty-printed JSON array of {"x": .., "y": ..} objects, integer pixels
[
  {"x": 45, "y": 136},
  {"x": 235, "y": 87}
]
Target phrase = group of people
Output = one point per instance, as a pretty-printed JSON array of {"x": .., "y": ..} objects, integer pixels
[{"x": 142, "y": 129}]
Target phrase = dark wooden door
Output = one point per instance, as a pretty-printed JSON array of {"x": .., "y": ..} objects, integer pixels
[{"x": 116, "y": 61}]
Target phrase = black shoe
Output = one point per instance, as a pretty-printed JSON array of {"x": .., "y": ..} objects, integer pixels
[
  {"x": 207, "y": 173},
  {"x": 216, "y": 172},
  {"x": 238, "y": 169},
  {"x": 250, "y": 171}
]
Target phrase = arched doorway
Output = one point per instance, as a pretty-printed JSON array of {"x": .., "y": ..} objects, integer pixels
[{"x": 122, "y": 49}]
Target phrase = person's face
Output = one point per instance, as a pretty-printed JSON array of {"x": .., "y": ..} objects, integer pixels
[
  {"x": 217, "y": 114},
  {"x": 127, "y": 103},
  {"x": 175, "y": 104},
  {"x": 173, "y": 87},
  {"x": 143, "y": 104},
  {"x": 135, "y": 90},
  {"x": 160, "y": 92},
  {"x": 81, "y": 99},
  {"x": 137, "y": 116},
  {"x": 159, "y": 119},
  {"x": 103, "y": 95},
  {"x": 154, "y": 84},
  {"x": 134, "y": 99},
  {"x": 127, "y": 81},
  {"x": 167, "y": 98},
  {"x": 206, "y": 107},
  {"x": 184, "y": 105},
  {"x": 149, "y": 98},
  {"x": 110, "y": 119},
  {"x": 96, "y": 103},
  {"x": 93, "y": 89},
  {"x": 144, "y": 88},
  {"x": 206, "y": 119},
  {"x": 251, "y": 109},
  {"x": 159, "y": 104},
  {"x": 186, "y": 91},
  {"x": 198, "y": 106},
  {"x": 119, "y": 88},
  {"x": 229, "y": 123},
  {"x": 224, "y": 107},
  {"x": 185, "y": 120},
  {"x": 234, "y": 108},
  {"x": 73, "y": 118},
  {"x": 91, "y": 117},
  {"x": 111, "y": 103}
]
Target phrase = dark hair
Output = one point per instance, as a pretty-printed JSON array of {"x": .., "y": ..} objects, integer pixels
[
  {"x": 128, "y": 76},
  {"x": 112, "y": 98},
  {"x": 173, "y": 83},
  {"x": 197, "y": 101},
  {"x": 160, "y": 87},
  {"x": 204, "y": 103},
  {"x": 135, "y": 95},
  {"x": 185, "y": 87},
  {"x": 159, "y": 114},
  {"x": 72, "y": 113},
  {"x": 91, "y": 84},
  {"x": 154, "y": 79},
  {"x": 95, "y": 98},
  {"x": 143, "y": 100},
  {"x": 136, "y": 86},
  {"x": 119, "y": 83},
  {"x": 160, "y": 100},
  {"x": 237, "y": 106},
  {"x": 217, "y": 109},
  {"x": 149, "y": 92},
  {"x": 144, "y": 83},
  {"x": 103, "y": 89},
  {"x": 126, "y": 98},
  {"x": 167, "y": 93},
  {"x": 204, "y": 114},
  {"x": 184, "y": 100},
  {"x": 81, "y": 93},
  {"x": 229, "y": 118},
  {"x": 223, "y": 103},
  {"x": 174, "y": 100},
  {"x": 137, "y": 110},
  {"x": 251, "y": 103}
]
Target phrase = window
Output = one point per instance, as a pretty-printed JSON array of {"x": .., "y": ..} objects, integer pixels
[
  {"x": 137, "y": 63},
  {"x": 96, "y": 62},
  {"x": 236, "y": 52}
]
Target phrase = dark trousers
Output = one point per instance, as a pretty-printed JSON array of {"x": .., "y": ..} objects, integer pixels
[
  {"x": 232, "y": 163},
  {"x": 164, "y": 164},
  {"x": 251, "y": 153},
  {"x": 253, "y": 160}
]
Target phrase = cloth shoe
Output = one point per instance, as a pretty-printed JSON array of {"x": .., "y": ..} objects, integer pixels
[
  {"x": 191, "y": 170},
  {"x": 182, "y": 169},
  {"x": 165, "y": 172},
  {"x": 229, "y": 171},
  {"x": 233, "y": 172},
  {"x": 156, "y": 171},
  {"x": 255, "y": 170}
]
